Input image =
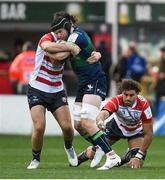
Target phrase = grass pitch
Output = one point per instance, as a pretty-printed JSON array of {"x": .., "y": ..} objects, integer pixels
[{"x": 15, "y": 155}]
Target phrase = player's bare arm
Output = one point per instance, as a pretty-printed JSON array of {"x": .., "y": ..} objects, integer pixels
[
  {"x": 75, "y": 49},
  {"x": 102, "y": 116},
  {"x": 148, "y": 135},
  {"x": 53, "y": 47},
  {"x": 95, "y": 56},
  {"x": 138, "y": 160},
  {"x": 60, "y": 56}
]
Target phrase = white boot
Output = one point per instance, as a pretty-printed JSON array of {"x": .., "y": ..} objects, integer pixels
[
  {"x": 72, "y": 157},
  {"x": 97, "y": 158},
  {"x": 34, "y": 164},
  {"x": 111, "y": 161}
]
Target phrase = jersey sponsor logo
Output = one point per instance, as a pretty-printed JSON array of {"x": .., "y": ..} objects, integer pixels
[
  {"x": 148, "y": 113},
  {"x": 137, "y": 115},
  {"x": 128, "y": 116}
]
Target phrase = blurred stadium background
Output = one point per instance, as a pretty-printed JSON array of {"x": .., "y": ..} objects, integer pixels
[{"x": 114, "y": 22}]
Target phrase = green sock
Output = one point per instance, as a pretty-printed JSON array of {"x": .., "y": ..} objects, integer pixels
[
  {"x": 88, "y": 138},
  {"x": 100, "y": 140}
]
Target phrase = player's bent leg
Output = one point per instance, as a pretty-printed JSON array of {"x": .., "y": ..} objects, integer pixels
[
  {"x": 62, "y": 115},
  {"x": 39, "y": 123},
  {"x": 88, "y": 118},
  {"x": 79, "y": 128},
  {"x": 77, "y": 120},
  {"x": 100, "y": 153},
  {"x": 99, "y": 138},
  {"x": 78, "y": 125},
  {"x": 89, "y": 112},
  {"x": 38, "y": 118}
]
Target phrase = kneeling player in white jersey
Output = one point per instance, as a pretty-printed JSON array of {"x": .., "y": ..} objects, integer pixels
[{"x": 128, "y": 116}]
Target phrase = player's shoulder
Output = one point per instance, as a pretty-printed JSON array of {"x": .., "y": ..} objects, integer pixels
[
  {"x": 48, "y": 36},
  {"x": 142, "y": 101},
  {"x": 117, "y": 99},
  {"x": 141, "y": 98},
  {"x": 76, "y": 36},
  {"x": 78, "y": 30}
]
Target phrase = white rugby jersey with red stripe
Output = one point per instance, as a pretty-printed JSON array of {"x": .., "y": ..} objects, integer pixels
[
  {"x": 46, "y": 77},
  {"x": 130, "y": 119}
]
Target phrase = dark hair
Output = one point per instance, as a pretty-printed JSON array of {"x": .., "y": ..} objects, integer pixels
[
  {"x": 129, "y": 84},
  {"x": 62, "y": 20},
  {"x": 68, "y": 16}
]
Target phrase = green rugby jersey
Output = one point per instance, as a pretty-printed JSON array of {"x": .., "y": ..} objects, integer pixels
[{"x": 85, "y": 72}]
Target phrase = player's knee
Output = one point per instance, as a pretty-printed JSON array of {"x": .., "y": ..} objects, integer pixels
[
  {"x": 78, "y": 126},
  {"x": 88, "y": 125},
  {"x": 85, "y": 124},
  {"x": 38, "y": 123},
  {"x": 67, "y": 129},
  {"x": 39, "y": 129}
]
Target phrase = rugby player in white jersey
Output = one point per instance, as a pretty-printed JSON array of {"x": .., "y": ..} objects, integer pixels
[
  {"x": 127, "y": 116},
  {"x": 46, "y": 91}
]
